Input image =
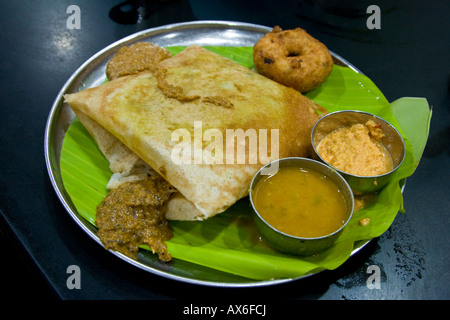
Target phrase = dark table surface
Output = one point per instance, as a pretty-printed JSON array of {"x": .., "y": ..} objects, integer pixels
[{"x": 408, "y": 56}]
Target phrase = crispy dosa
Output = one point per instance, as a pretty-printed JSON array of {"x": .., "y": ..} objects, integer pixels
[{"x": 225, "y": 95}]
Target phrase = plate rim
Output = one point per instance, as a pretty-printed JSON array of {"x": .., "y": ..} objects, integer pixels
[{"x": 52, "y": 156}]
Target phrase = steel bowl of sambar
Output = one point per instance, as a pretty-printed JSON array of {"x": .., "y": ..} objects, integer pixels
[{"x": 300, "y": 205}]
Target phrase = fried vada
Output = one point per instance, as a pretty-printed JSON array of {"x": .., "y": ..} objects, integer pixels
[{"x": 293, "y": 58}]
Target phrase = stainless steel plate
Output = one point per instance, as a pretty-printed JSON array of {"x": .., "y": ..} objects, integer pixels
[{"x": 92, "y": 73}]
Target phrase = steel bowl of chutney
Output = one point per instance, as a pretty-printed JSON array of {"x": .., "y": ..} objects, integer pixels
[
  {"x": 300, "y": 205},
  {"x": 364, "y": 148}
]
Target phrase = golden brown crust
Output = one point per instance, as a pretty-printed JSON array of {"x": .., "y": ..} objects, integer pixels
[{"x": 293, "y": 58}]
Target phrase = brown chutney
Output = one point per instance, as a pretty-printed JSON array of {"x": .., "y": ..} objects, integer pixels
[{"x": 134, "y": 214}]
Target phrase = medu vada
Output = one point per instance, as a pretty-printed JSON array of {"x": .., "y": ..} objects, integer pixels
[{"x": 293, "y": 58}]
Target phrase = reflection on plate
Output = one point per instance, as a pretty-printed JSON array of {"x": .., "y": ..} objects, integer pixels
[{"x": 92, "y": 73}]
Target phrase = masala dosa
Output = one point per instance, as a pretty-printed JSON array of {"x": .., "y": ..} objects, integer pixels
[{"x": 142, "y": 116}]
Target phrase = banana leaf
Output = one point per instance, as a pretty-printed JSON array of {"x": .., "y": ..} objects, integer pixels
[{"x": 229, "y": 241}]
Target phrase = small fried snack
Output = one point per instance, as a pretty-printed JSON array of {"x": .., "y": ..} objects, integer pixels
[{"x": 293, "y": 58}]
